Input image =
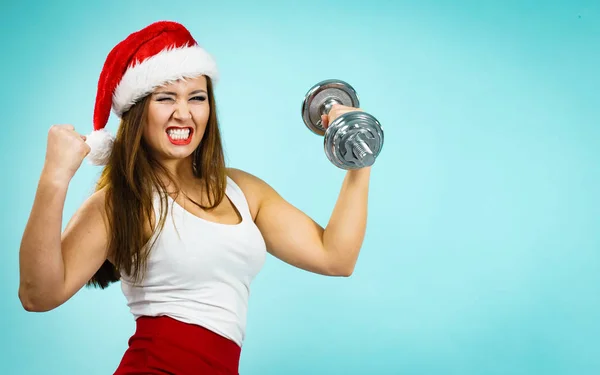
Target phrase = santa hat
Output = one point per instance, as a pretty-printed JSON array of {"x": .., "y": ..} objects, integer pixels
[{"x": 160, "y": 53}]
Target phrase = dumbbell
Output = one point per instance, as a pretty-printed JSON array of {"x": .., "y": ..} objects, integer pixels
[{"x": 354, "y": 139}]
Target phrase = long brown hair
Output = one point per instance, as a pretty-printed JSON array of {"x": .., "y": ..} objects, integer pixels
[{"x": 131, "y": 178}]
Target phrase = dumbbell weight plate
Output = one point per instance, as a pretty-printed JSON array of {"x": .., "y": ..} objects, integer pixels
[
  {"x": 354, "y": 140},
  {"x": 321, "y": 95}
]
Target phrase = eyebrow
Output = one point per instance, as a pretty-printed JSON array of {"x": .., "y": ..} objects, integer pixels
[{"x": 175, "y": 94}]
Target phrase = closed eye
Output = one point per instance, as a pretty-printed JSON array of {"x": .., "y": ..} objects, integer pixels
[{"x": 196, "y": 98}]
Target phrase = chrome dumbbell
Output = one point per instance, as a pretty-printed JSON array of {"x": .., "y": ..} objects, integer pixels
[{"x": 354, "y": 139}]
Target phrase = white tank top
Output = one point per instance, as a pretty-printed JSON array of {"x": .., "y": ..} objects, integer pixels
[{"x": 200, "y": 271}]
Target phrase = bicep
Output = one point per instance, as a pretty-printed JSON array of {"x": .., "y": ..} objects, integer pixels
[
  {"x": 293, "y": 236},
  {"x": 84, "y": 245},
  {"x": 290, "y": 235}
]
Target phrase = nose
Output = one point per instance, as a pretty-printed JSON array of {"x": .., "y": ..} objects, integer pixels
[{"x": 182, "y": 111}]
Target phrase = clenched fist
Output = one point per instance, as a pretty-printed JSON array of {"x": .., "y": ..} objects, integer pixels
[
  {"x": 336, "y": 111},
  {"x": 65, "y": 151}
]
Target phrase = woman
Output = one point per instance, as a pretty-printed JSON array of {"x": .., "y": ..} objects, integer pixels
[{"x": 183, "y": 233}]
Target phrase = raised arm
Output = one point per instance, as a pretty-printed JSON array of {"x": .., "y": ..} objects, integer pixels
[
  {"x": 294, "y": 237},
  {"x": 55, "y": 265}
]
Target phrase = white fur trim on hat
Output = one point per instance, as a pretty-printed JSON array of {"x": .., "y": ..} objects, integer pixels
[
  {"x": 101, "y": 143},
  {"x": 164, "y": 67}
]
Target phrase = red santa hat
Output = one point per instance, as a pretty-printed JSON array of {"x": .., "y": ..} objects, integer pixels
[{"x": 160, "y": 53}]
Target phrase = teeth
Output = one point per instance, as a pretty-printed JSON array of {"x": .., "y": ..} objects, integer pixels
[{"x": 179, "y": 133}]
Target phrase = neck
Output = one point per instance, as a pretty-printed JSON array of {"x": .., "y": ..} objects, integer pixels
[{"x": 180, "y": 170}]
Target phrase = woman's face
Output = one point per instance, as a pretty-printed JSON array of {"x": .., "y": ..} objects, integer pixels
[{"x": 176, "y": 119}]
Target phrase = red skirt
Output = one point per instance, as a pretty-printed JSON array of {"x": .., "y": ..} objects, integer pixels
[{"x": 163, "y": 345}]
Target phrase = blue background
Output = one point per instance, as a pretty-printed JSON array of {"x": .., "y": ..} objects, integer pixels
[{"x": 482, "y": 251}]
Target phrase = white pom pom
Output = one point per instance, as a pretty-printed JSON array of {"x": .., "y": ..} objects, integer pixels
[{"x": 101, "y": 144}]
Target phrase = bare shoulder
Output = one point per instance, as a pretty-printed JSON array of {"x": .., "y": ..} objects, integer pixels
[
  {"x": 244, "y": 178},
  {"x": 254, "y": 188}
]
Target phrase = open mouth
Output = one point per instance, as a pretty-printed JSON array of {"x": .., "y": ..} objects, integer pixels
[{"x": 180, "y": 136}]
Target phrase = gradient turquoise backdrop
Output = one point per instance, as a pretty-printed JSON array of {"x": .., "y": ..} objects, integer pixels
[{"x": 482, "y": 251}]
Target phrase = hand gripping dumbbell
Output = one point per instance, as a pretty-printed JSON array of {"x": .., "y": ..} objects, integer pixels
[{"x": 354, "y": 139}]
